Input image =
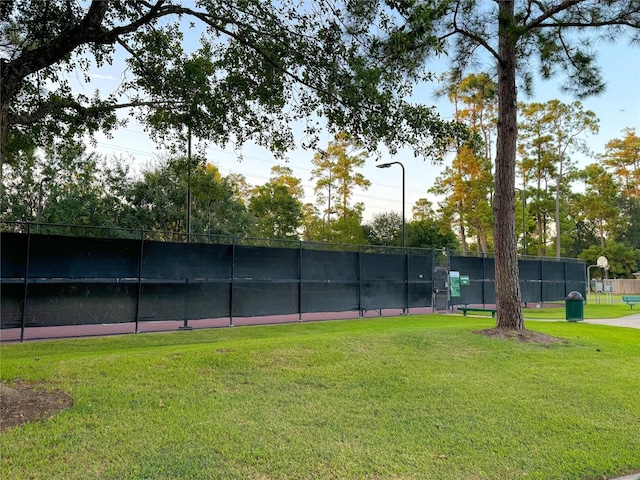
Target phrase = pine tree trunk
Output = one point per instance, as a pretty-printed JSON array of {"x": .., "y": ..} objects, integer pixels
[{"x": 506, "y": 257}]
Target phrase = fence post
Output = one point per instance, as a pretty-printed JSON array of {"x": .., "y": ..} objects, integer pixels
[
  {"x": 406, "y": 281},
  {"x": 300, "y": 282},
  {"x": 433, "y": 280},
  {"x": 233, "y": 264},
  {"x": 541, "y": 282},
  {"x": 139, "y": 281},
  {"x": 360, "y": 314},
  {"x": 485, "y": 281},
  {"x": 26, "y": 283}
]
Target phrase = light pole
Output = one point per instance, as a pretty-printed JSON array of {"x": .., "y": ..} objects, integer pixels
[
  {"x": 387, "y": 165},
  {"x": 324, "y": 217},
  {"x": 189, "y": 184},
  {"x": 191, "y": 111},
  {"x": 524, "y": 221},
  {"x": 39, "y": 216}
]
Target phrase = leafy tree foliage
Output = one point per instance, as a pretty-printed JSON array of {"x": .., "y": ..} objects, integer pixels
[
  {"x": 623, "y": 260},
  {"x": 24, "y": 184},
  {"x": 430, "y": 234},
  {"x": 159, "y": 200},
  {"x": 385, "y": 229},
  {"x": 537, "y": 169},
  {"x": 550, "y": 133},
  {"x": 423, "y": 210},
  {"x": 566, "y": 124},
  {"x": 336, "y": 175},
  {"x": 281, "y": 175},
  {"x": 69, "y": 187},
  {"x": 258, "y": 67},
  {"x": 347, "y": 229},
  {"x": 467, "y": 184},
  {"x": 313, "y": 225},
  {"x": 599, "y": 202},
  {"x": 622, "y": 157},
  {"x": 278, "y": 214},
  {"x": 629, "y": 234}
]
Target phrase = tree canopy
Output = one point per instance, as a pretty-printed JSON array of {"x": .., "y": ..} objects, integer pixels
[{"x": 256, "y": 69}]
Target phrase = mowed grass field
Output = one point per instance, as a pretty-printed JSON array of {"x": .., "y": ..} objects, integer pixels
[{"x": 414, "y": 397}]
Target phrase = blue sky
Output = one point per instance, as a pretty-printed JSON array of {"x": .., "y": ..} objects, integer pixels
[{"x": 617, "y": 108}]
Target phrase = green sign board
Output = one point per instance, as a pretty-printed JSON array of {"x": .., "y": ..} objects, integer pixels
[
  {"x": 464, "y": 280},
  {"x": 454, "y": 280}
]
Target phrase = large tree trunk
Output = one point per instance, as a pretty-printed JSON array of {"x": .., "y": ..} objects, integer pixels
[{"x": 506, "y": 248}]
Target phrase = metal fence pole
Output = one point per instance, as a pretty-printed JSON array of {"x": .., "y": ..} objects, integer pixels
[
  {"x": 300, "y": 282},
  {"x": 360, "y": 314},
  {"x": 139, "y": 297},
  {"x": 433, "y": 281},
  {"x": 484, "y": 280},
  {"x": 406, "y": 281},
  {"x": 541, "y": 282},
  {"x": 233, "y": 264},
  {"x": 23, "y": 313}
]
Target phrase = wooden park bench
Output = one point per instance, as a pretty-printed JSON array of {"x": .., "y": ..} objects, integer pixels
[
  {"x": 465, "y": 310},
  {"x": 631, "y": 300}
]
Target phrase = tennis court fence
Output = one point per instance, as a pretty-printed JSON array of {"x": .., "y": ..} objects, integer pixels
[{"x": 64, "y": 281}]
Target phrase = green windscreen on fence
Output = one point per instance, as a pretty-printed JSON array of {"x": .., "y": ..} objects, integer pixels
[{"x": 55, "y": 280}]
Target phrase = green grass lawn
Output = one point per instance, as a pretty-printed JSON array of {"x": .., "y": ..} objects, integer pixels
[{"x": 417, "y": 397}]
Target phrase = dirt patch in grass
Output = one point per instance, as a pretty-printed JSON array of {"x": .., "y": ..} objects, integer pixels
[
  {"x": 23, "y": 402},
  {"x": 526, "y": 336}
]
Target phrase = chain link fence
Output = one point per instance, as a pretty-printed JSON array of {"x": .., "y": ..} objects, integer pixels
[{"x": 66, "y": 281}]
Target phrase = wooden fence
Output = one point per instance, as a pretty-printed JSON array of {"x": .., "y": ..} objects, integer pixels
[{"x": 622, "y": 286}]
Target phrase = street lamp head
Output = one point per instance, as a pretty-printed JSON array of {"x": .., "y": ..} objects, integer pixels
[{"x": 384, "y": 165}]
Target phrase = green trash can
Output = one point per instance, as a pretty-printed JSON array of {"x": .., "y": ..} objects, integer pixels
[{"x": 574, "y": 307}]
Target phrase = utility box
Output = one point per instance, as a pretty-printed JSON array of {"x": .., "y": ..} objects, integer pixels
[{"x": 574, "y": 307}]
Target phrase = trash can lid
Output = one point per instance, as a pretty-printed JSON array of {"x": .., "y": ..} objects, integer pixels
[{"x": 574, "y": 296}]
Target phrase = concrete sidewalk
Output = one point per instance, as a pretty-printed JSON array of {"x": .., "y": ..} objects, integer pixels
[{"x": 632, "y": 321}]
